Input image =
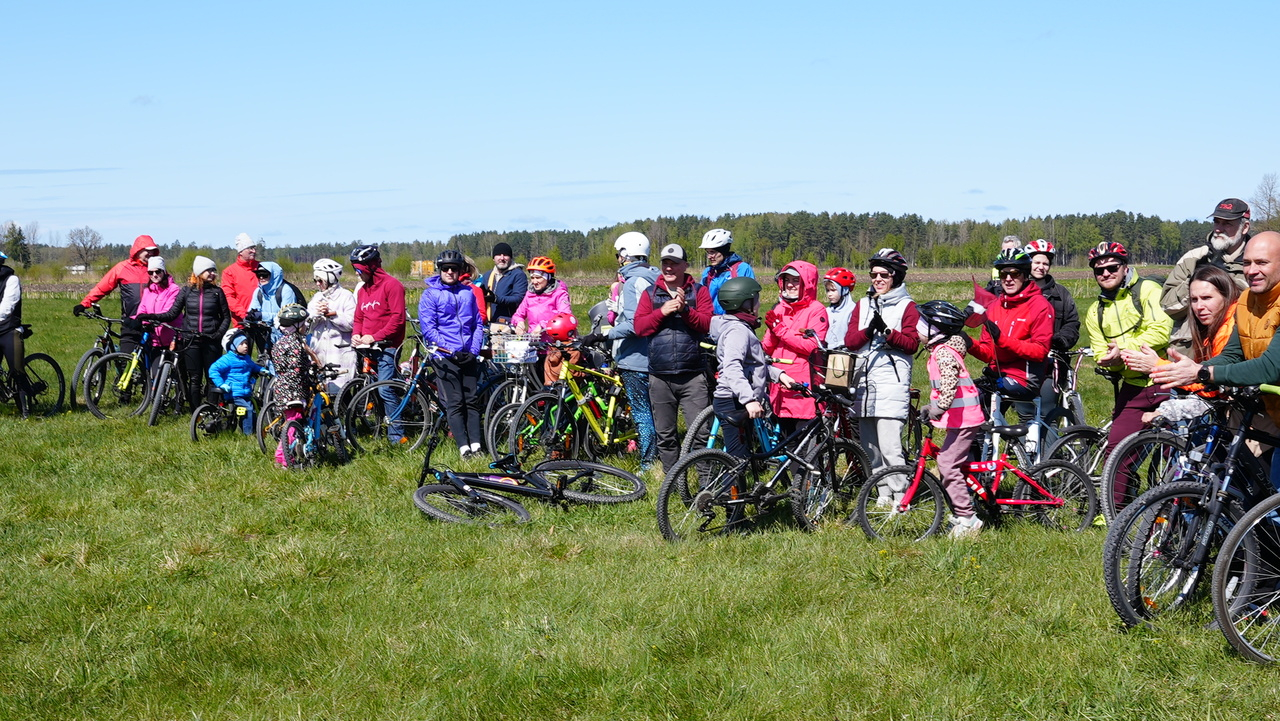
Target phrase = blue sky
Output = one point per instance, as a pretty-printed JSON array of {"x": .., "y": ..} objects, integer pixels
[{"x": 329, "y": 122}]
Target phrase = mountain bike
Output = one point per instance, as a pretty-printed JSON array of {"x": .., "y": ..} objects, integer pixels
[
  {"x": 458, "y": 497},
  {"x": 1246, "y": 592},
  {"x": 104, "y": 344},
  {"x": 319, "y": 433},
  {"x": 168, "y": 394},
  {"x": 403, "y": 422},
  {"x": 120, "y": 384},
  {"x": 40, "y": 380},
  {"x": 216, "y": 417}
]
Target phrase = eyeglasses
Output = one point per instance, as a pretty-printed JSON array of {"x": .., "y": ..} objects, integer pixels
[
  {"x": 155, "y": 272},
  {"x": 1102, "y": 270},
  {"x": 450, "y": 269},
  {"x": 881, "y": 274}
]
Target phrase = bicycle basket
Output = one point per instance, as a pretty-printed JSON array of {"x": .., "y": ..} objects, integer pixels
[
  {"x": 514, "y": 348},
  {"x": 834, "y": 369}
]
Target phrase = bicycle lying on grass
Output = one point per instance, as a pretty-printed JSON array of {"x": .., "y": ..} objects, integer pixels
[{"x": 459, "y": 497}]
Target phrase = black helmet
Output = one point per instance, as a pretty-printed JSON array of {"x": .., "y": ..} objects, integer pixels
[
  {"x": 366, "y": 254},
  {"x": 943, "y": 315},
  {"x": 737, "y": 291},
  {"x": 889, "y": 258},
  {"x": 291, "y": 314},
  {"x": 1013, "y": 258},
  {"x": 451, "y": 257}
]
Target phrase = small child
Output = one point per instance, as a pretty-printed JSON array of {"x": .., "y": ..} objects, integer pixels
[
  {"x": 953, "y": 405},
  {"x": 839, "y": 284},
  {"x": 295, "y": 368},
  {"x": 233, "y": 374}
]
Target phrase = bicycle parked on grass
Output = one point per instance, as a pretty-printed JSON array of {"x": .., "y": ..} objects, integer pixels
[
  {"x": 104, "y": 344},
  {"x": 40, "y": 380},
  {"x": 168, "y": 395},
  {"x": 320, "y": 432},
  {"x": 120, "y": 384},
  {"x": 459, "y": 497},
  {"x": 404, "y": 422},
  {"x": 1246, "y": 592}
]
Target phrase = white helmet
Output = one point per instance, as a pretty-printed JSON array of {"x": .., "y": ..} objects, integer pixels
[
  {"x": 716, "y": 238},
  {"x": 632, "y": 244},
  {"x": 327, "y": 270}
]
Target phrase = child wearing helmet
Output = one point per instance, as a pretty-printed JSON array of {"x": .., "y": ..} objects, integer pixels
[
  {"x": 295, "y": 368},
  {"x": 545, "y": 300},
  {"x": 333, "y": 313},
  {"x": 722, "y": 264},
  {"x": 561, "y": 331},
  {"x": 838, "y": 285}
]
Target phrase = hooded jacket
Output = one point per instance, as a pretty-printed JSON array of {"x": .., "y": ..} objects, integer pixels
[
  {"x": 838, "y": 317},
  {"x": 158, "y": 299},
  {"x": 449, "y": 317},
  {"x": 744, "y": 373},
  {"x": 130, "y": 276},
  {"x": 10, "y": 300},
  {"x": 537, "y": 309},
  {"x": 329, "y": 331},
  {"x": 631, "y": 351},
  {"x": 1026, "y": 322},
  {"x": 508, "y": 290},
  {"x": 1066, "y": 319},
  {"x": 264, "y": 298},
  {"x": 1115, "y": 319},
  {"x": 785, "y": 339},
  {"x": 235, "y": 370},
  {"x": 380, "y": 309},
  {"x": 884, "y": 390},
  {"x": 715, "y": 276},
  {"x": 240, "y": 282},
  {"x": 674, "y": 343}
]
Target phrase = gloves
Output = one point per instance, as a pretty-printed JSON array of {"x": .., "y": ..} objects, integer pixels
[
  {"x": 877, "y": 325},
  {"x": 463, "y": 358},
  {"x": 253, "y": 316},
  {"x": 146, "y": 316},
  {"x": 930, "y": 413},
  {"x": 772, "y": 318},
  {"x": 131, "y": 324},
  {"x": 993, "y": 329},
  {"x": 78, "y": 310},
  {"x": 594, "y": 338},
  {"x": 614, "y": 304}
]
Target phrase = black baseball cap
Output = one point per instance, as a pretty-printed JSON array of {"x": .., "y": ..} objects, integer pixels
[{"x": 1231, "y": 209}]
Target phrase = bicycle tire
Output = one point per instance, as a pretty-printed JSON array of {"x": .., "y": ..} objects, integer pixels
[
  {"x": 336, "y": 439},
  {"x": 530, "y": 434},
  {"x": 445, "y": 502},
  {"x": 266, "y": 428},
  {"x": 714, "y": 481},
  {"x": 1245, "y": 590},
  {"x": 162, "y": 395},
  {"x": 295, "y": 450},
  {"x": 348, "y": 392},
  {"x": 593, "y": 482},
  {"x": 1084, "y": 446},
  {"x": 831, "y": 495},
  {"x": 1076, "y": 404},
  {"x": 1144, "y": 554},
  {"x": 498, "y": 430},
  {"x": 207, "y": 421},
  {"x": 622, "y": 432},
  {"x": 369, "y": 428},
  {"x": 1067, "y": 481},
  {"x": 504, "y": 394},
  {"x": 103, "y": 395},
  {"x": 1139, "y": 462},
  {"x": 703, "y": 422},
  {"x": 86, "y": 361},
  {"x": 46, "y": 387},
  {"x": 923, "y": 518}
]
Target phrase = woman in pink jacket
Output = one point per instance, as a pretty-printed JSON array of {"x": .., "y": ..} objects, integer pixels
[
  {"x": 158, "y": 297},
  {"x": 547, "y": 298},
  {"x": 798, "y": 309}
]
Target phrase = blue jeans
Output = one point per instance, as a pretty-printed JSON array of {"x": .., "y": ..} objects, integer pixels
[
  {"x": 246, "y": 421},
  {"x": 387, "y": 370}
]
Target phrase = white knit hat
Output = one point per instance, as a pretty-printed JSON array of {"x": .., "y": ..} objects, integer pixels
[
  {"x": 202, "y": 264},
  {"x": 155, "y": 262},
  {"x": 244, "y": 242}
]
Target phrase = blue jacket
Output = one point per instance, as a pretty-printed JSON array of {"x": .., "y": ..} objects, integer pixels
[
  {"x": 714, "y": 276},
  {"x": 507, "y": 292},
  {"x": 235, "y": 370},
  {"x": 264, "y": 298},
  {"x": 631, "y": 351},
  {"x": 450, "y": 317}
]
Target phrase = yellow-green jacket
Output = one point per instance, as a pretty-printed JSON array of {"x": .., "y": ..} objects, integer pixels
[{"x": 1128, "y": 324}]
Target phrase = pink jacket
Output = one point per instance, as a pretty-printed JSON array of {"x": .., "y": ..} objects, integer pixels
[
  {"x": 537, "y": 310},
  {"x": 783, "y": 340},
  {"x": 157, "y": 299}
]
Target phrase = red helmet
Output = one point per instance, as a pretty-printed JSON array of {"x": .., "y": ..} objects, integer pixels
[
  {"x": 1040, "y": 245},
  {"x": 1108, "y": 250},
  {"x": 841, "y": 277},
  {"x": 563, "y": 327}
]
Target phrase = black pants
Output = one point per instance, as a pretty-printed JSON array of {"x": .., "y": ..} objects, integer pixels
[
  {"x": 735, "y": 424},
  {"x": 668, "y": 395},
  {"x": 196, "y": 359},
  {"x": 10, "y": 346},
  {"x": 457, "y": 387}
]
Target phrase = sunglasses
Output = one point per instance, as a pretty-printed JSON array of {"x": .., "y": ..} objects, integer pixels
[
  {"x": 450, "y": 269},
  {"x": 155, "y": 272},
  {"x": 881, "y": 274},
  {"x": 1106, "y": 270},
  {"x": 1010, "y": 273}
]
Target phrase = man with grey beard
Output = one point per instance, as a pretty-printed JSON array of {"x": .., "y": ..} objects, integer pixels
[{"x": 1225, "y": 249}]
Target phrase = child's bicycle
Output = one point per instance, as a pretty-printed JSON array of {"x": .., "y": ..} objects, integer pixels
[
  {"x": 104, "y": 344},
  {"x": 458, "y": 497},
  {"x": 320, "y": 432},
  {"x": 215, "y": 417},
  {"x": 1059, "y": 494}
]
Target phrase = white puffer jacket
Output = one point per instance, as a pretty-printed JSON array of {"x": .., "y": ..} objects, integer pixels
[{"x": 327, "y": 332}]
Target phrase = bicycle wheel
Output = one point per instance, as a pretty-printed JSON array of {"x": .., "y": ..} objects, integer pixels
[
  {"x": 590, "y": 482},
  {"x": 294, "y": 438},
  {"x": 543, "y": 428},
  {"x": 445, "y": 502},
  {"x": 267, "y": 428},
  {"x": 622, "y": 431},
  {"x": 702, "y": 424},
  {"x": 1246, "y": 591},
  {"x": 505, "y": 394},
  {"x": 1147, "y": 551},
  {"x": 166, "y": 396},
  {"x": 336, "y": 440},
  {"x": 498, "y": 430},
  {"x": 832, "y": 494},
  {"x": 1066, "y": 481},
  {"x": 373, "y": 426},
  {"x": 207, "y": 421},
  {"x": 1139, "y": 462},
  {"x": 86, "y": 361},
  {"x": 878, "y": 502},
  {"x": 46, "y": 388},
  {"x": 348, "y": 392},
  {"x": 716, "y": 484},
  {"x": 1084, "y": 446},
  {"x": 116, "y": 387}
]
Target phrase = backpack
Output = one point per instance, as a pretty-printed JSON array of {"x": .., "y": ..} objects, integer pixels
[
  {"x": 297, "y": 293},
  {"x": 1135, "y": 295}
]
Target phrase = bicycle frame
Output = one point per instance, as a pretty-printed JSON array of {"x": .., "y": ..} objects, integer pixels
[
  {"x": 973, "y": 472},
  {"x": 588, "y": 410},
  {"x": 510, "y": 479}
]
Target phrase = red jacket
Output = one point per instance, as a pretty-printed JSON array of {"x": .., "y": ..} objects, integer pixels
[
  {"x": 380, "y": 309},
  {"x": 1025, "y": 321},
  {"x": 239, "y": 282},
  {"x": 130, "y": 276},
  {"x": 784, "y": 340}
]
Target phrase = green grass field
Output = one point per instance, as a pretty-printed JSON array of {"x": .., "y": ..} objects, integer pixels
[{"x": 145, "y": 577}]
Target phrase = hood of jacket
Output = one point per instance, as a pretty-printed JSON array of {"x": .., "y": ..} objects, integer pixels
[
  {"x": 637, "y": 269},
  {"x": 1029, "y": 291},
  {"x": 275, "y": 281},
  {"x": 140, "y": 243},
  {"x": 808, "y": 282}
]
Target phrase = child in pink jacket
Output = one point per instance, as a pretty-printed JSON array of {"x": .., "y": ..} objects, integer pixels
[{"x": 798, "y": 309}]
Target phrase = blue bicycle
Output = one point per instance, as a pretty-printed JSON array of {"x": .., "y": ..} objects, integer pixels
[{"x": 318, "y": 434}]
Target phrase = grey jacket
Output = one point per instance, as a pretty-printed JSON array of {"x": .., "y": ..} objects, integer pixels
[
  {"x": 630, "y": 351},
  {"x": 744, "y": 374}
]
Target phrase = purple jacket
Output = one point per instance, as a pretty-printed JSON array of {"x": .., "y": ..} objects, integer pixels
[
  {"x": 450, "y": 318},
  {"x": 537, "y": 310}
]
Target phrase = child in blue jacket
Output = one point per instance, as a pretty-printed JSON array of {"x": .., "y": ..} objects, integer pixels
[{"x": 233, "y": 374}]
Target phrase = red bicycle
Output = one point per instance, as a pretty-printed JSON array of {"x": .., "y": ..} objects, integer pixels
[{"x": 909, "y": 502}]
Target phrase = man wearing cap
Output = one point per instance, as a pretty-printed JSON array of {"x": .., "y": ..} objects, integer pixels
[
  {"x": 130, "y": 276},
  {"x": 504, "y": 286},
  {"x": 240, "y": 279},
  {"x": 1224, "y": 248},
  {"x": 675, "y": 314}
]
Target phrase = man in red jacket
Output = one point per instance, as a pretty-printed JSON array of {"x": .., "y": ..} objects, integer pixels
[
  {"x": 240, "y": 279},
  {"x": 1015, "y": 339},
  {"x": 130, "y": 276}
]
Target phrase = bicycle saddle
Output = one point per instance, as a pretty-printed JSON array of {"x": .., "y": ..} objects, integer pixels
[{"x": 1017, "y": 431}]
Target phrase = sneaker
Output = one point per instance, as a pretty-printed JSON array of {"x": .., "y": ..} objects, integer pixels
[{"x": 966, "y": 527}]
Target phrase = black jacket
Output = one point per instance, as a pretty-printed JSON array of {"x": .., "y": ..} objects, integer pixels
[
  {"x": 15, "y": 318},
  {"x": 504, "y": 298},
  {"x": 1066, "y": 320},
  {"x": 205, "y": 311}
]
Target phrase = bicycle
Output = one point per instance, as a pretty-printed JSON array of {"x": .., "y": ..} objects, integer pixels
[
  {"x": 40, "y": 381},
  {"x": 104, "y": 344},
  {"x": 1246, "y": 592},
  {"x": 1080, "y": 443},
  {"x": 168, "y": 390},
  {"x": 1059, "y": 494},
  {"x": 516, "y": 358},
  {"x": 1160, "y": 547},
  {"x": 416, "y": 413},
  {"x": 458, "y": 497},
  {"x": 215, "y": 417},
  {"x": 320, "y": 432},
  {"x": 120, "y": 384}
]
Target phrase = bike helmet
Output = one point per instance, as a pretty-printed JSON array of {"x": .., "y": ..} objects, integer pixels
[
  {"x": 563, "y": 327},
  {"x": 366, "y": 255},
  {"x": 1013, "y": 258},
  {"x": 451, "y": 257},
  {"x": 737, "y": 291},
  {"x": 542, "y": 263},
  {"x": 326, "y": 270},
  {"x": 1108, "y": 250},
  {"x": 716, "y": 238},
  {"x": 290, "y": 315},
  {"x": 841, "y": 277},
  {"x": 888, "y": 258},
  {"x": 943, "y": 315},
  {"x": 1038, "y": 246},
  {"x": 632, "y": 244}
]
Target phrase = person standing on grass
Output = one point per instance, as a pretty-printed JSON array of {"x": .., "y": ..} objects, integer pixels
[
  {"x": 546, "y": 299},
  {"x": 158, "y": 297},
  {"x": 205, "y": 319},
  {"x": 722, "y": 263},
  {"x": 675, "y": 314},
  {"x": 240, "y": 279},
  {"x": 797, "y": 311},
  {"x": 295, "y": 369},
  {"x": 450, "y": 319},
  {"x": 11, "y": 329},
  {"x": 130, "y": 276},
  {"x": 273, "y": 293},
  {"x": 379, "y": 318},
  {"x": 333, "y": 311},
  {"x": 506, "y": 284}
]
